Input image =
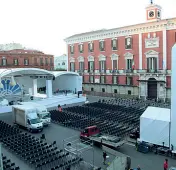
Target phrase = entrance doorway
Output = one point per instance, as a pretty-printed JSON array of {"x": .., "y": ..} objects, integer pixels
[{"x": 152, "y": 88}]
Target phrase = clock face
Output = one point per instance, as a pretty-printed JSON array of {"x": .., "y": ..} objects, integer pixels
[{"x": 151, "y": 13}]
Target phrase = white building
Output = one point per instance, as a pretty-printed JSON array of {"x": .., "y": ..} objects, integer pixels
[{"x": 61, "y": 62}]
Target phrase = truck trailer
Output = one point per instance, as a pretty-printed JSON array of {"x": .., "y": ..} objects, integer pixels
[
  {"x": 26, "y": 117},
  {"x": 41, "y": 110},
  {"x": 93, "y": 135}
]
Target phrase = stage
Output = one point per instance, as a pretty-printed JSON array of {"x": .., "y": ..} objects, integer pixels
[{"x": 54, "y": 101}]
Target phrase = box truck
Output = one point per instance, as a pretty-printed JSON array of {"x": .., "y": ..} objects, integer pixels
[
  {"x": 42, "y": 112},
  {"x": 26, "y": 117}
]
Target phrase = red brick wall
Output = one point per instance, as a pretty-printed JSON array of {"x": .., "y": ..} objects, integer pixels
[
  {"x": 135, "y": 80},
  {"x": 21, "y": 56},
  {"x": 121, "y": 51},
  {"x": 122, "y": 80}
]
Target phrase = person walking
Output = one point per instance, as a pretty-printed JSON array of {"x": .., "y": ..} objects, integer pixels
[
  {"x": 104, "y": 157},
  {"x": 166, "y": 164}
]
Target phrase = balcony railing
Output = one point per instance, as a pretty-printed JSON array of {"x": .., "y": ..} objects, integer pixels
[
  {"x": 90, "y": 71},
  {"x": 114, "y": 71},
  {"x": 130, "y": 71},
  {"x": 80, "y": 71},
  {"x": 102, "y": 71},
  {"x": 152, "y": 71}
]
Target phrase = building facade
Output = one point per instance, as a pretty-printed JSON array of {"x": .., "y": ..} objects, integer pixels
[
  {"x": 61, "y": 62},
  {"x": 25, "y": 58},
  {"x": 133, "y": 60}
]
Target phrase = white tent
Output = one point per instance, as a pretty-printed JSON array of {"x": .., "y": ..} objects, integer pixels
[{"x": 154, "y": 126}]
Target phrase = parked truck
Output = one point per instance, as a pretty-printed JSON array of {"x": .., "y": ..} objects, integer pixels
[
  {"x": 93, "y": 135},
  {"x": 42, "y": 112},
  {"x": 26, "y": 117}
]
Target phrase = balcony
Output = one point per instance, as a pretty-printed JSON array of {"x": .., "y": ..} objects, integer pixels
[
  {"x": 114, "y": 71},
  {"x": 102, "y": 71},
  {"x": 129, "y": 71},
  {"x": 80, "y": 72},
  {"x": 90, "y": 71},
  {"x": 151, "y": 71}
]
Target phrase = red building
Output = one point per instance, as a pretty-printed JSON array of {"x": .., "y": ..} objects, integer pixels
[
  {"x": 22, "y": 58},
  {"x": 133, "y": 60}
]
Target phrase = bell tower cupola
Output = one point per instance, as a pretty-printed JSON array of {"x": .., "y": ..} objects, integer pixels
[{"x": 153, "y": 12}]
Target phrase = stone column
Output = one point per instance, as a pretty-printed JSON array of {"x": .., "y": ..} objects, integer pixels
[
  {"x": 34, "y": 87},
  {"x": 49, "y": 89}
]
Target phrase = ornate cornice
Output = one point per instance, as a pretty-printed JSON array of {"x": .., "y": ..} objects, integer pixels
[
  {"x": 102, "y": 57},
  {"x": 167, "y": 24},
  {"x": 80, "y": 59},
  {"x": 128, "y": 55},
  {"x": 114, "y": 56},
  {"x": 90, "y": 58}
]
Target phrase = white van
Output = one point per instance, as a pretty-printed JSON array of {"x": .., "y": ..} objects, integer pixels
[
  {"x": 26, "y": 117},
  {"x": 42, "y": 112}
]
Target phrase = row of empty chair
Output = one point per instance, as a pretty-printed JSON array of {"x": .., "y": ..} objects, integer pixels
[
  {"x": 8, "y": 164},
  {"x": 116, "y": 117},
  {"x": 37, "y": 153}
]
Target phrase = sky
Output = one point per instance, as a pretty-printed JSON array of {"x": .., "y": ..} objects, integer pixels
[{"x": 44, "y": 24}]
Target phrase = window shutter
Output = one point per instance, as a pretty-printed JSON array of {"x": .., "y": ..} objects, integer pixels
[
  {"x": 126, "y": 80},
  {"x": 100, "y": 66},
  {"x": 73, "y": 49},
  {"x": 92, "y": 46},
  {"x": 126, "y": 43},
  {"x": 112, "y": 44},
  {"x": 104, "y": 46},
  {"x": 131, "y": 42},
  {"x": 88, "y": 65},
  {"x": 148, "y": 63},
  {"x": 130, "y": 64},
  {"x": 117, "y": 80},
  {"x": 104, "y": 62},
  {"x": 100, "y": 45},
  {"x": 93, "y": 65},
  {"x": 117, "y": 44},
  {"x": 82, "y": 47}
]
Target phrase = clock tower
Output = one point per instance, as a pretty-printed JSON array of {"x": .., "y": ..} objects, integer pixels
[{"x": 153, "y": 12}]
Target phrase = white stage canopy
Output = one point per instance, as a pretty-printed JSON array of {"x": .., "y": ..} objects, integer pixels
[
  {"x": 23, "y": 71},
  {"x": 154, "y": 126}
]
